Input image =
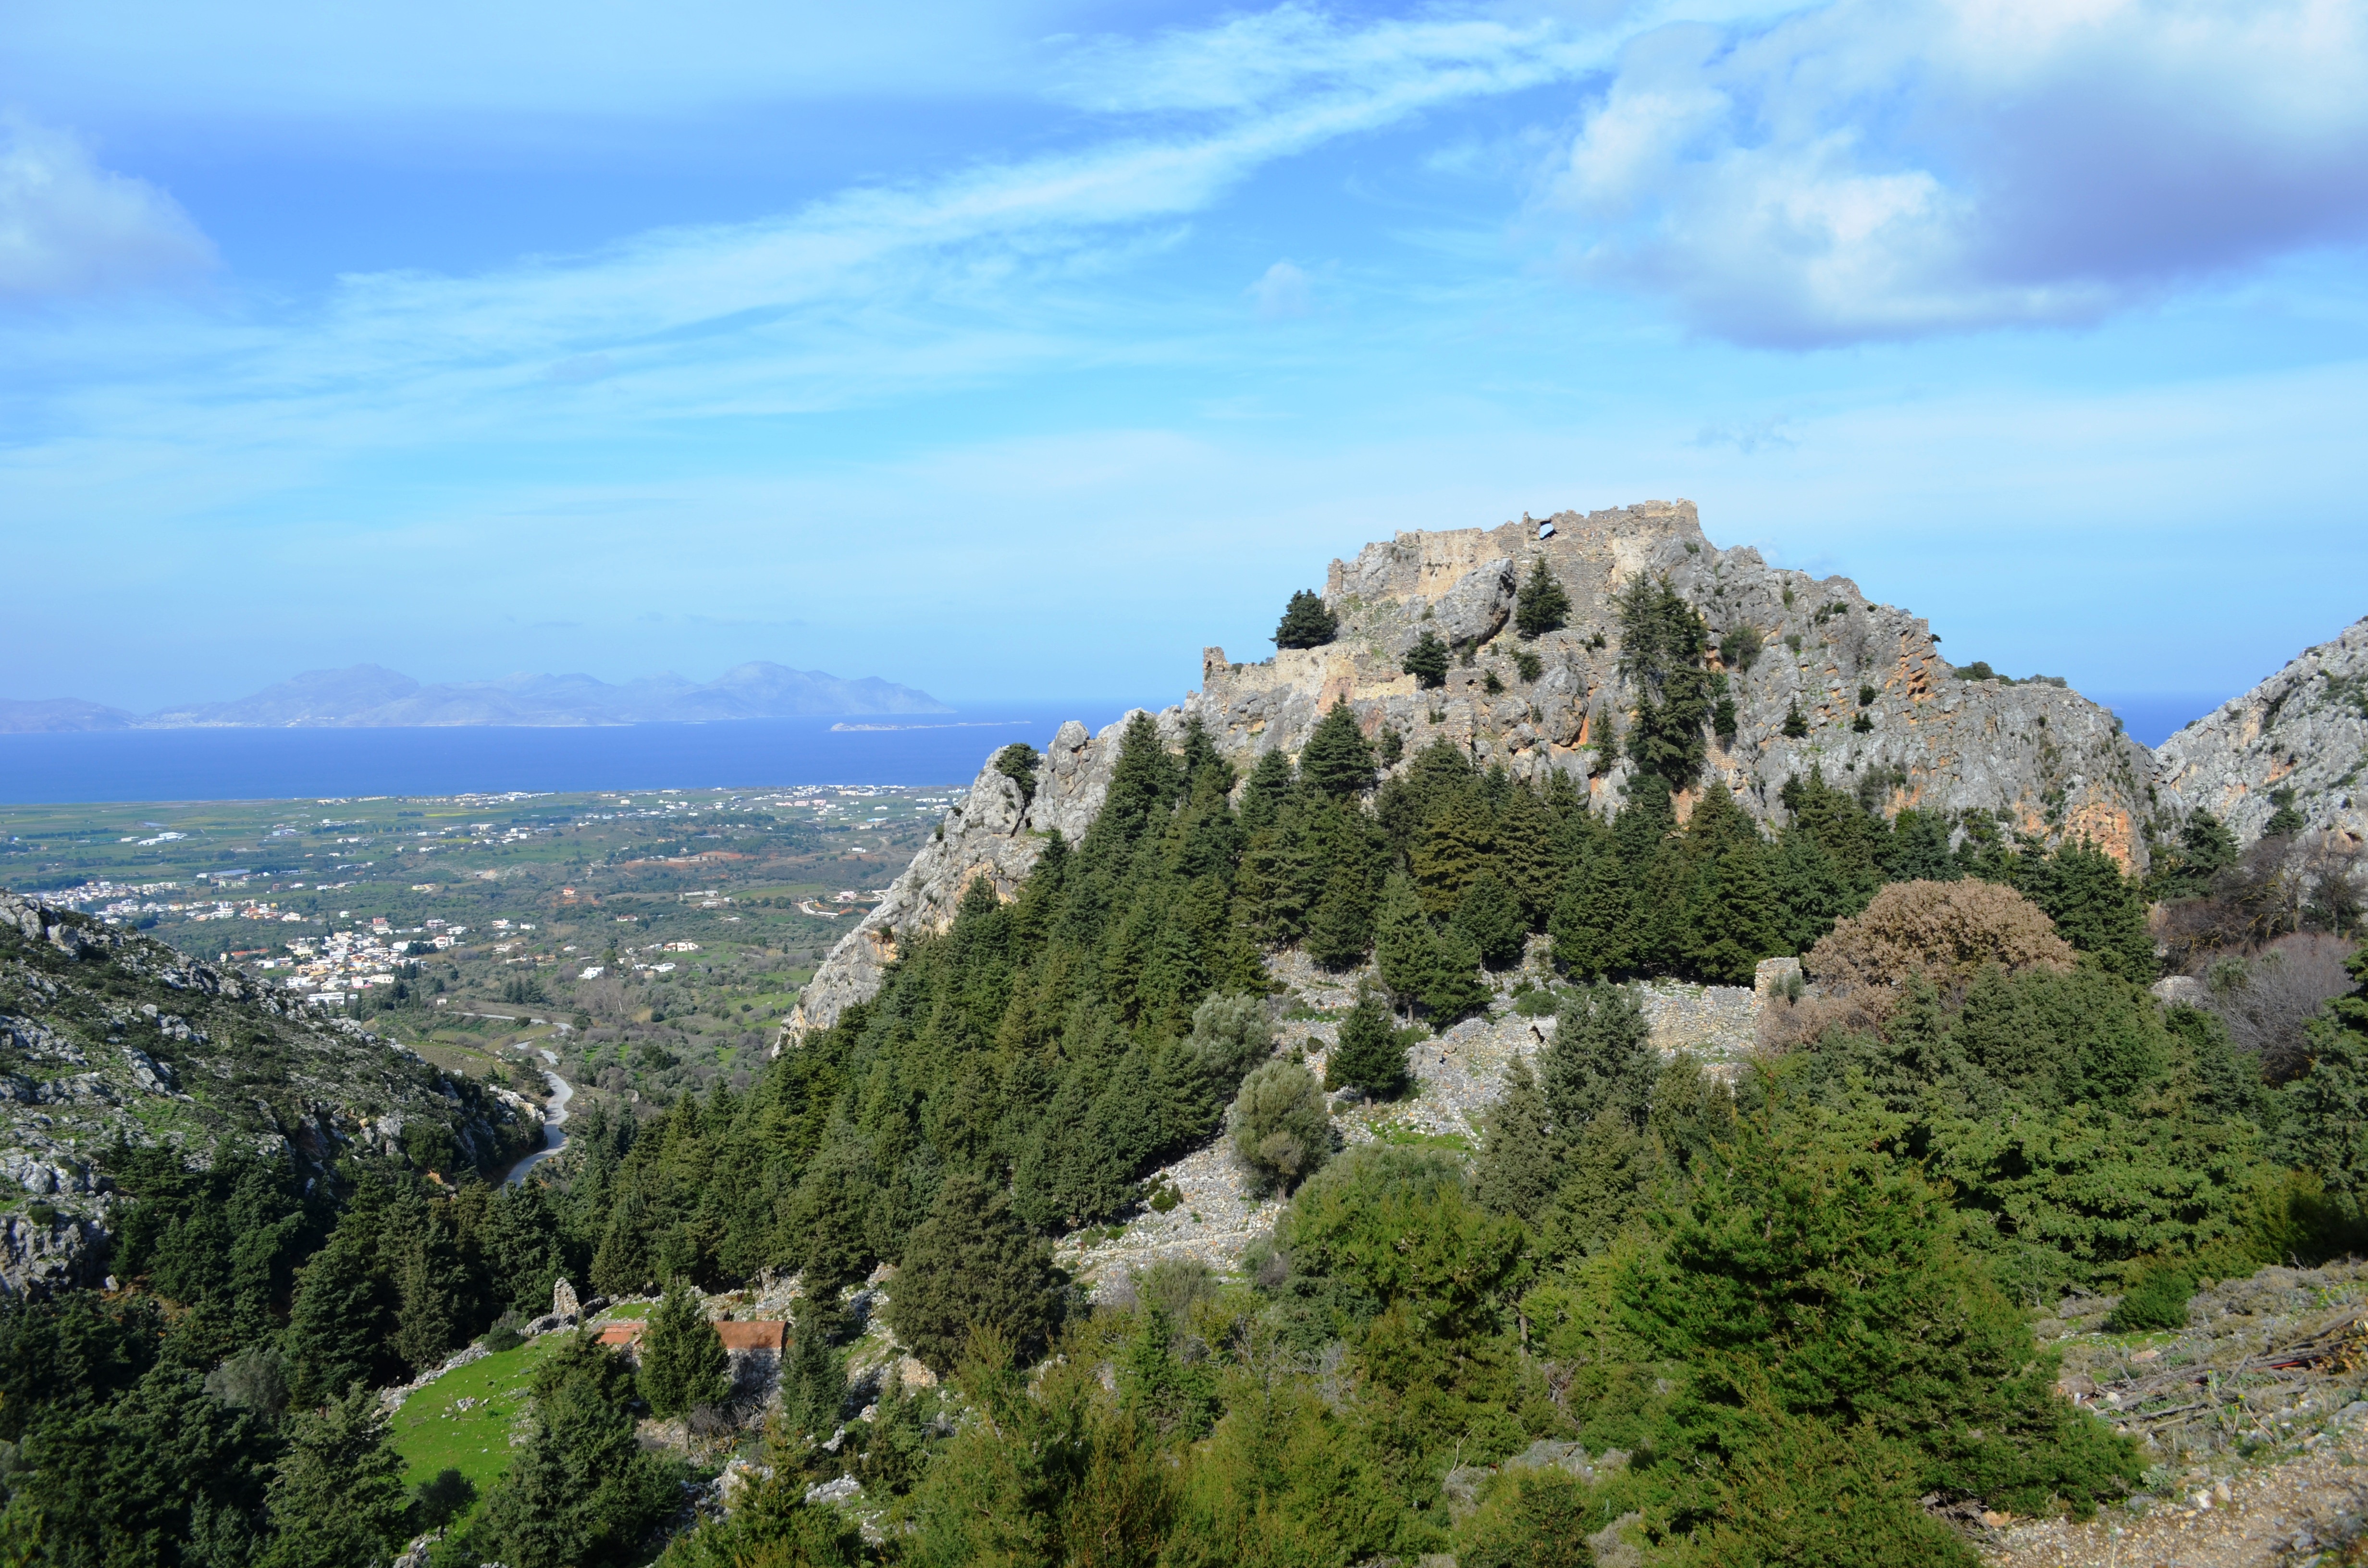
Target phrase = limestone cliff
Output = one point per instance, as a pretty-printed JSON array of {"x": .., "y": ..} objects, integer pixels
[
  {"x": 2046, "y": 760},
  {"x": 2304, "y": 729}
]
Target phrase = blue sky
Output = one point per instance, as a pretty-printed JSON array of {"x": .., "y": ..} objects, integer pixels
[{"x": 1018, "y": 351}]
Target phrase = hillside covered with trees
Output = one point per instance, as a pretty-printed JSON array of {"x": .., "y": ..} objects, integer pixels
[{"x": 1656, "y": 1315}]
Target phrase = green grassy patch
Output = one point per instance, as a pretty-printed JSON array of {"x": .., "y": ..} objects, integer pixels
[{"x": 432, "y": 1435}]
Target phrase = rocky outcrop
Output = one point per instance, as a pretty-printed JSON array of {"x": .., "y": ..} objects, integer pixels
[
  {"x": 993, "y": 832},
  {"x": 105, "y": 1034},
  {"x": 2041, "y": 758},
  {"x": 2044, "y": 758},
  {"x": 2304, "y": 729}
]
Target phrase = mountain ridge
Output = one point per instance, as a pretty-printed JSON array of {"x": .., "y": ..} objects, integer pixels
[{"x": 369, "y": 696}]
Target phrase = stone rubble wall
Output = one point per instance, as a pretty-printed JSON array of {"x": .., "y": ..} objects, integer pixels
[{"x": 2305, "y": 728}]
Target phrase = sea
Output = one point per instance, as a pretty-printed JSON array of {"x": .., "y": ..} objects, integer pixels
[{"x": 272, "y": 764}]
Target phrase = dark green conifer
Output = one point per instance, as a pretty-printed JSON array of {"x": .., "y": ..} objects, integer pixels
[
  {"x": 1307, "y": 622},
  {"x": 1368, "y": 1053},
  {"x": 336, "y": 1495},
  {"x": 1490, "y": 919},
  {"x": 1517, "y": 1170},
  {"x": 683, "y": 1362},
  {"x": 1541, "y": 606},
  {"x": 1795, "y": 726},
  {"x": 1406, "y": 947},
  {"x": 1337, "y": 760},
  {"x": 973, "y": 1265},
  {"x": 2095, "y": 907},
  {"x": 1427, "y": 661},
  {"x": 1601, "y": 1059}
]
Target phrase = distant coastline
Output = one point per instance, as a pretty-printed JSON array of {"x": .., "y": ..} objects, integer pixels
[{"x": 371, "y": 697}]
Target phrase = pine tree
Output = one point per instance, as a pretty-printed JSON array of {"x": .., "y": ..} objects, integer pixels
[
  {"x": 1427, "y": 661},
  {"x": 973, "y": 1265},
  {"x": 426, "y": 1317},
  {"x": 2095, "y": 908},
  {"x": 336, "y": 1496},
  {"x": 1489, "y": 918},
  {"x": 1406, "y": 948},
  {"x": 1601, "y": 1060},
  {"x": 683, "y": 1362},
  {"x": 1516, "y": 1171},
  {"x": 1367, "y": 1054},
  {"x": 1338, "y": 761},
  {"x": 1307, "y": 622},
  {"x": 1541, "y": 606}
]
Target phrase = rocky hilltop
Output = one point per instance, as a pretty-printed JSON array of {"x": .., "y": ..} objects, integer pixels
[
  {"x": 2042, "y": 758},
  {"x": 107, "y": 1036},
  {"x": 2304, "y": 729}
]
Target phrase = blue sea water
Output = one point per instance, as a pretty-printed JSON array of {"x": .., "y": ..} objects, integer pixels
[
  {"x": 254, "y": 765},
  {"x": 2151, "y": 718}
]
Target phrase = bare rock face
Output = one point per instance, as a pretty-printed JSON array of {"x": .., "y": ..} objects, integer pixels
[
  {"x": 993, "y": 833},
  {"x": 39, "y": 1256},
  {"x": 2304, "y": 729},
  {"x": 2044, "y": 758}
]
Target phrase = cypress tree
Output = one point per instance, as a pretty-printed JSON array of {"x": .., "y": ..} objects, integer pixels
[
  {"x": 1307, "y": 622},
  {"x": 825, "y": 1216},
  {"x": 1454, "y": 845},
  {"x": 1735, "y": 920},
  {"x": 1591, "y": 919},
  {"x": 1338, "y": 761},
  {"x": 1541, "y": 606},
  {"x": 427, "y": 1311},
  {"x": 339, "y": 1323},
  {"x": 683, "y": 1362},
  {"x": 1456, "y": 990},
  {"x": 2095, "y": 908},
  {"x": 1795, "y": 726},
  {"x": 1367, "y": 1054}
]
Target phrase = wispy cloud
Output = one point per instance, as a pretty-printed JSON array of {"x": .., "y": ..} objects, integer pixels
[
  {"x": 69, "y": 227},
  {"x": 1871, "y": 169}
]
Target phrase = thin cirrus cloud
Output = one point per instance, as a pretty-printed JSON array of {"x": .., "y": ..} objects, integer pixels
[
  {"x": 69, "y": 227},
  {"x": 1867, "y": 170},
  {"x": 874, "y": 290}
]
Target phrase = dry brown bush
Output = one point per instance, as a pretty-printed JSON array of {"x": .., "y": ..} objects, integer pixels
[
  {"x": 2268, "y": 1000},
  {"x": 1944, "y": 932}
]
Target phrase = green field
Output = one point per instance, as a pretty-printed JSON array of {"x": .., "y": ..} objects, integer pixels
[{"x": 432, "y": 1435}]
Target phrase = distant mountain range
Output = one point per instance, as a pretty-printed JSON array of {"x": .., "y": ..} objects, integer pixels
[{"x": 371, "y": 697}]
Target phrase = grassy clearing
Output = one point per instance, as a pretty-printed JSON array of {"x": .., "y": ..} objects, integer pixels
[{"x": 432, "y": 1435}]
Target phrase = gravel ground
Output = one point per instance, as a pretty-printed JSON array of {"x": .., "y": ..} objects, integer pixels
[{"x": 2253, "y": 1418}]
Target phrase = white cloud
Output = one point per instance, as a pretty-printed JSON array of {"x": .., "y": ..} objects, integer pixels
[
  {"x": 69, "y": 227},
  {"x": 1871, "y": 169},
  {"x": 1280, "y": 292}
]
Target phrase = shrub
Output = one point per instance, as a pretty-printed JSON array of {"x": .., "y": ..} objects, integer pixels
[
  {"x": 1795, "y": 726},
  {"x": 1492, "y": 683},
  {"x": 1863, "y": 723},
  {"x": 1738, "y": 649},
  {"x": 1427, "y": 661},
  {"x": 1306, "y": 622},
  {"x": 1866, "y": 695},
  {"x": 2158, "y": 1299},
  {"x": 1018, "y": 762},
  {"x": 1941, "y": 932},
  {"x": 1528, "y": 664},
  {"x": 1279, "y": 1128}
]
